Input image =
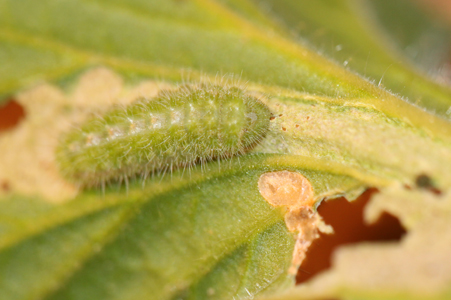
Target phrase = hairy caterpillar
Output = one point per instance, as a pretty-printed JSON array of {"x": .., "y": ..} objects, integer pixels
[{"x": 178, "y": 128}]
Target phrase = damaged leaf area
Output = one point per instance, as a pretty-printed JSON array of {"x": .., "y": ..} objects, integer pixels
[
  {"x": 32, "y": 170},
  {"x": 231, "y": 227},
  {"x": 294, "y": 192},
  {"x": 417, "y": 267}
]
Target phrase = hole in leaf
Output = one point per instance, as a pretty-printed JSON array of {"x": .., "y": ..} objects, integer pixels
[
  {"x": 347, "y": 220},
  {"x": 11, "y": 114}
]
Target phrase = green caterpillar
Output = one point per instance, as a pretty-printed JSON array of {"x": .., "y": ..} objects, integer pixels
[{"x": 179, "y": 128}]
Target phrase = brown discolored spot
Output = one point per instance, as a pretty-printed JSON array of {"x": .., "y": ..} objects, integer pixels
[
  {"x": 284, "y": 129},
  {"x": 272, "y": 118},
  {"x": 346, "y": 218},
  {"x": 423, "y": 181},
  {"x": 285, "y": 188},
  {"x": 10, "y": 115},
  {"x": 4, "y": 186},
  {"x": 297, "y": 125},
  {"x": 280, "y": 115},
  {"x": 308, "y": 118}
]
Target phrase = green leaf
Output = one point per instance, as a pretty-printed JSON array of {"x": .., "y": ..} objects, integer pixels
[
  {"x": 204, "y": 232},
  {"x": 422, "y": 36},
  {"x": 347, "y": 31},
  {"x": 179, "y": 236}
]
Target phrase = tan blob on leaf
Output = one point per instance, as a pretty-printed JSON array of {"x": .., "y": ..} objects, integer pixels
[
  {"x": 285, "y": 188},
  {"x": 291, "y": 189}
]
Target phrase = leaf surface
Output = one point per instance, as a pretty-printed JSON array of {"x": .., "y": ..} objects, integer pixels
[{"x": 204, "y": 232}]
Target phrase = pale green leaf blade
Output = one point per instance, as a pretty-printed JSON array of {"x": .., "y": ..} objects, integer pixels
[{"x": 180, "y": 237}]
